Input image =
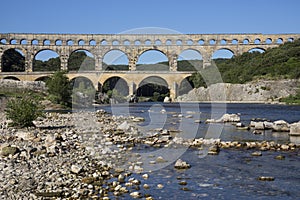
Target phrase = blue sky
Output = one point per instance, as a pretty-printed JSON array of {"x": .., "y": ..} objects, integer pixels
[
  {"x": 119, "y": 16},
  {"x": 115, "y": 16}
]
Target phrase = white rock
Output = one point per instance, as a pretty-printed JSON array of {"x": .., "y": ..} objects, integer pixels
[
  {"x": 281, "y": 126},
  {"x": 124, "y": 126},
  {"x": 295, "y": 129},
  {"x": 268, "y": 125},
  {"x": 136, "y": 194},
  {"x": 181, "y": 164},
  {"x": 259, "y": 126},
  {"x": 76, "y": 169}
]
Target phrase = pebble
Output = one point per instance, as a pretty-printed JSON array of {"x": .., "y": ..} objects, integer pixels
[
  {"x": 146, "y": 186},
  {"x": 145, "y": 176},
  {"x": 136, "y": 194},
  {"x": 256, "y": 153}
]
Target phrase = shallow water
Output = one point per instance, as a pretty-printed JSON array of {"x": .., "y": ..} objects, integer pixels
[{"x": 233, "y": 173}]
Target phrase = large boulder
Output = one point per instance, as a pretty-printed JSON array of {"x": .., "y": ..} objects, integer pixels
[
  {"x": 281, "y": 126},
  {"x": 225, "y": 118},
  {"x": 295, "y": 129}
]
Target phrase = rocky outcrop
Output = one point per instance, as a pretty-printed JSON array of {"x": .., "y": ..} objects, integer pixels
[
  {"x": 15, "y": 86},
  {"x": 256, "y": 91}
]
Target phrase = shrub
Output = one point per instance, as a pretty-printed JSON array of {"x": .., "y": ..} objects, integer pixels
[
  {"x": 59, "y": 88},
  {"x": 22, "y": 110}
]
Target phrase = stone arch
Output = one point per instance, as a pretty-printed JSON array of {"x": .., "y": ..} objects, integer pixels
[
  {"x": 81, "y": 42},
  {"x": 42, "y": 78},
  {"x": 35, "y": 42},
  {"x": 23, "y": 41},
  {"x": 13, "y": 60},
  {"x": 279, "y": 41},
  {"x": 189, "y": 60},
  {"x": 258, "y": 49},
  {"x": 212, "y": 42},
  {"x": 58, "y": 42},
  {"x": 152, "y": 60},
  {"x": 3, "y": 41},
  {"x": 268, "y": 41},
  {"x": 13, "y": 41},
  {"x": 246, "y": 41},
  {"x": 257, "y": 41},
  {"x": 148, "y": 42},
  {"x": 115, "y": 59},
  {"x": 178, "y": 42},
  {"x": 185, "y": 86},
  {"x": 168, "y": 42},
  {"x": 158, "y": 42},
  {"x": 12, "y": 78},
  {"x": 46, "y": 42},
  {"x": 116, "y": 83},
  {"x": 115, "y": 42},
  {"x": 223, "y": 42},
  {"x": 92, "y": 42},
  {"x": 189, "y": 42},
  {"x": 103, "y": 42},
  {"x": 126, "y": 42},
  {"x": 70, "y": 42},
  {"x": 201, "y": 42},
  {"x": 215, "y": 54},
  {"x": 46, "y": 60},
  {"x": 153, "y": 86},
  {"x": 81, "y": 59},
  {"x": 235, "y": 41}
]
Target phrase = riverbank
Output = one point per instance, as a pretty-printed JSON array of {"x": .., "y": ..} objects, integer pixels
[
  {"x": 262, "y": 91},
  {"x": 92, "y": 155}
]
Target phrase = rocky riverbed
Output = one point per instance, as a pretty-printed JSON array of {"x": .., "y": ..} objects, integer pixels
[{"x": 91, "y": 155}]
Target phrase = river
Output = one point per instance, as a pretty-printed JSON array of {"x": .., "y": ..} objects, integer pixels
[{"x": 233, "y": 174}]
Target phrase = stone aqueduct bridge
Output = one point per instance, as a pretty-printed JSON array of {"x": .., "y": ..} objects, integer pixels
[{"x": 132, "y": 45}]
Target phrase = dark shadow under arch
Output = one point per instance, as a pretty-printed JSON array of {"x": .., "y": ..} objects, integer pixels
[
  {"x": 155, "y": 88},
  {"x": 12, "y": 78}
]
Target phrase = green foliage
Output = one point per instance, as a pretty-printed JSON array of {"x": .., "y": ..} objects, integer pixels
[
  {"x": 80, "y": 61},
  {"x": 53, "y": 64},
  {"x": 59, "y": 88},
  {"x": 115, "y": 67},
  {"x": 13, "y": 61},
  {"x": 276, "y": 63},
  {"x": 24, "y": 109}
]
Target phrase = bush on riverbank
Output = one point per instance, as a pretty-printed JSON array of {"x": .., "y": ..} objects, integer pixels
[
  {"x": 24, "y": 109},
  {"x": 59, "y": 88},
  {"x": 292, "y": 99}
]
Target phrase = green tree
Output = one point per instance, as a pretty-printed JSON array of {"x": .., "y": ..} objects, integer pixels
[
  {"x": 24, "y": 109},
  {"x": 59, "y": 88},
  {"x": 13, "y": 61}
]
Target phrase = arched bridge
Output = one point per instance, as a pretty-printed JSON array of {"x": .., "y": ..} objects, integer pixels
[{"x": 133, "y": 46}]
